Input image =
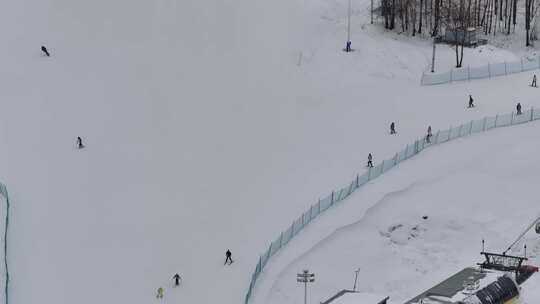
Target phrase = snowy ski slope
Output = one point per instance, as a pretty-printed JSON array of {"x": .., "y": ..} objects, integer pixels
[{"x": 203, "y": 132}]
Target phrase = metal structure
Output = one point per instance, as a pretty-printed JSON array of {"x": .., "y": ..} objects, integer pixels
[
  {"x": 305, "y": 277},
  {"x": 502, "y": 262},
  {"x": 355, "y": 278}
]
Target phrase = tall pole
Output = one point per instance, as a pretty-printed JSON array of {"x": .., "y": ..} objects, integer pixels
[
  {"x": 433, "y": 58},
  {"x": 349, "y": 23},
  {"x": 355, "y": 278},
  {"x": 305, "y": 292},
  {"x": 305, "y": 277},
  {"x": 371, "y": 11}
]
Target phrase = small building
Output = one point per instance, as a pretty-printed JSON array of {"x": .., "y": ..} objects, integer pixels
[
  {"x": 452, "y": 36},
  {"x": 350, "y": 297}
]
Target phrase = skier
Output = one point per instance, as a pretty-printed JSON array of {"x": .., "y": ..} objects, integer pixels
[
  {"x": 348, "y": 47},
  {"x": 79, "y": 142},
  {"x": 471, "y": 102},
  {"x": 533, "y": 84},
  {"x": 370, "y": 161},
  {"x": 228, "y": 257},
  {"x": 392, "y": 128},
  {"x": 518, "y": 108},
  {"x": 160, "y": 293},
  {"x": 44, "y": 50},
  {"x": 177, "y": 279},
  {"x": 428, "y": 136}
]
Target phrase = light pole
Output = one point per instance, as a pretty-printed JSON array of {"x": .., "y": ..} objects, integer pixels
[
  {"x": 355, "y": 278},
  {"x": 348, "y": 46},
  {"x": 433, "y": 59},
  {"x": 305, "y": 277}
]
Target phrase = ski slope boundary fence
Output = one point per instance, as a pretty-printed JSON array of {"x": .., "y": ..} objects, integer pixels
[
  {"x": 3, "y": 191},
  {"x": 486, "y": 71},
  {"x": 472, "y": 127}
]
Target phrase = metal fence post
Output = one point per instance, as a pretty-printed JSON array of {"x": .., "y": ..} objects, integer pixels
[
  {"x": 512, "y": 119},
  {"x": 505, "y": 69},
  {"x": 489, "y": 70},
  {"x": 332, "y": 199},
  {"x": 496, "y": 118},
  {"x": 470, "y": 128},
  {"x": 357, "y": 180},
  {"x": 485, "y": 120},
  {"x": 469, "y": 72},
  {"x": 532, "y": 111},
  {"x": 451, "y": 75},
  {"x": 395, "y": 159},
  {"x": 281, "y": 240}
]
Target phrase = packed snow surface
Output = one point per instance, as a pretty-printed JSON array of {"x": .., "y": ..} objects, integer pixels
[
  {"x": 208, "y": 125},
  {"x": 480, "y": 187}
]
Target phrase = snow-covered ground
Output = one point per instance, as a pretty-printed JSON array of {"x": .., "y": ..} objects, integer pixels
[
  {"x": 480, "y": 187},
  {"x": 203, "y": 131}
]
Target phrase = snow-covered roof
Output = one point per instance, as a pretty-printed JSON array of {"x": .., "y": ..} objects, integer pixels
[{"x": 359, "y": 298}]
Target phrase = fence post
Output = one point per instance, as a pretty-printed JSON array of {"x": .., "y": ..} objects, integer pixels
[
  {"x": 470, "y": 128},
  {"x": 532, "y": 115},
  {"x": 469, "y": 72},
  {"x": 437, "y": 137},
  {"x": 406, "y": 151},
  {"x": 512, "y": 120},
  {"x": 522, "y": 64},
  {"x": 489, "y": 70},
  {"x": 319, "y": 205},
  {"x": 485, "y": 120},
  {"x": 395, "y": 159},
  {"x": 451, "y": 75},
  {"x": 281, "y": 240},
  {"x": 357, "y": 180},
  {"x": 332, "y": 199},
  {"x": 505, "y": 69},
  {"x": 496, "y": 118}
]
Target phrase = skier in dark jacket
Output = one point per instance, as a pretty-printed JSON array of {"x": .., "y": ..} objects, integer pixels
[
  {"x": 228, "y": 257},
  {"x": 370, "y": 161},
  {"x": 471, "y": 102},
  {"x": 533, "y": 84},
  {"x": 392, "y": 128},
  {"x": 45, "y": 51},
  {"x": 518, "y": 108},
  {"x": 177, "y": 279},
  {"x": 79, "y": 142},
  {"x": 428, "y": 136}
]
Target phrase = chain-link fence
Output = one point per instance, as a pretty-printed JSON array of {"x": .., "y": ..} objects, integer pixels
[
  {"x": 4, "y": 193},
  {"x": 486, "y": 71},
  {"x": 474, "y": 126}
]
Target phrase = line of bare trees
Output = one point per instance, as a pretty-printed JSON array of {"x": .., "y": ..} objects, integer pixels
[{"x": 431, "y": 16}]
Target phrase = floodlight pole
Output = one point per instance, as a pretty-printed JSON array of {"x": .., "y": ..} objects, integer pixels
[
  {"x": 349, "y": 23},
  {"x": 305, "y": 277},
  {"x": 433, "y": 57},
  {"x": 355, "y": 278}
]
